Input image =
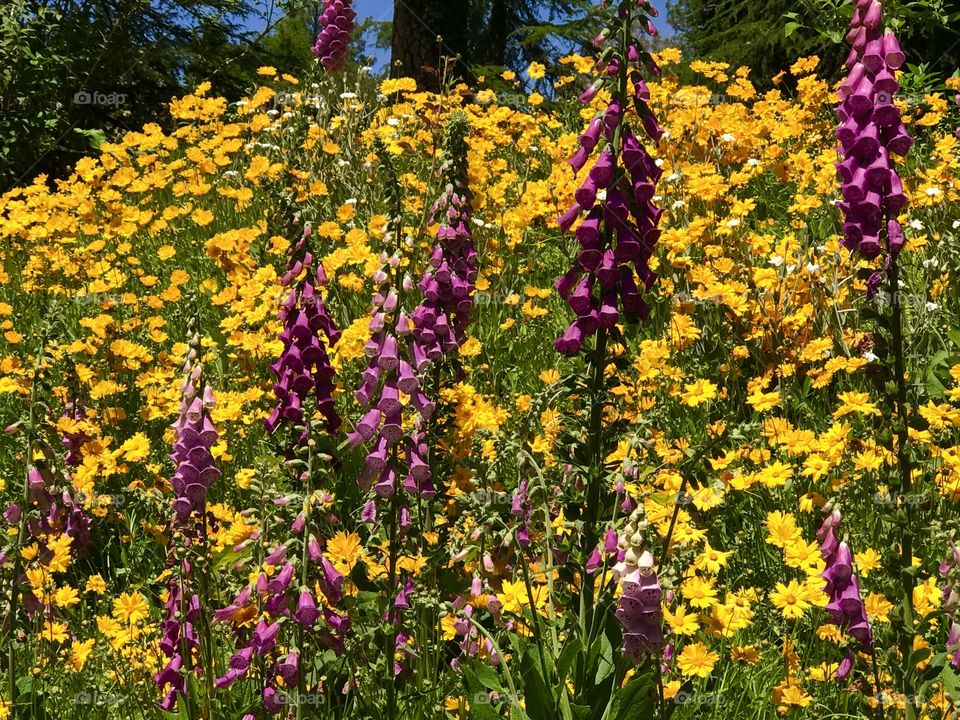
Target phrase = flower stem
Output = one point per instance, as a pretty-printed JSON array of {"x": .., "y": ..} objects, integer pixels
[{"x": 906, "y": 472}]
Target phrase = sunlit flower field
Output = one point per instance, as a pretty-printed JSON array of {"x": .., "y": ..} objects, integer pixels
[{"x": 199, "y": 525}]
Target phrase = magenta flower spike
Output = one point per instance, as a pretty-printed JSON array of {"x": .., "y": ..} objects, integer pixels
[
  {"x": 639, "y": 610},
  {"x": 619, "y": 232},
  {"x": 845, "y": 606},
  {"x": 871, "y": 131},
  {"x": 304, "y": 366},
  {"x": 333, "y": 43},
  {"x": 195, "y": 473}
]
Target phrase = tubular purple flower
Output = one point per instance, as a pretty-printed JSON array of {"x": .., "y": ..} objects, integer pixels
[
  {"x": 871, "y": 129},
  {"x": 639, "y": 610},
  {"x": 304, "y": 366},
  {"x": 845, "y": 603},
  {"x": 617, "y": 237},
  {"x": 333, "y": 43}
]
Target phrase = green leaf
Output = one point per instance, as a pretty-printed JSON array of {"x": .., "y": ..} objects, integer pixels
[
  {"x": 539, "y": 702},
  {"x": 790, "y": 28},
  {"x": 951, "y": 683},
  {"x": 635, "y": 701},
  {"x": 488, "y": 677},
  {"x": 604, "y": 660}
]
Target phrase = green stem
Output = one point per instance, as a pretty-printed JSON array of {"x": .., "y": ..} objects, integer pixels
[
  {"x": 304, "y": 568},
  {"x": 906, "y": 473},
  {"x": 23, "y": 526},
  {"x": 391, "y": 644}
]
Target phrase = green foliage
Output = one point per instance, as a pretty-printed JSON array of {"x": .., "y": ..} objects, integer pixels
[
  {"x": 73, "y": 75},
  {"x": 769, "y": 36}
]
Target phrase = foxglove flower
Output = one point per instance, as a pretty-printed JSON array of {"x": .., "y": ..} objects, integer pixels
[
  {"x": 178, "y": 635},
  {"x": 639, "y": 610},
  {"x": 304, "y": 366},
  {"x": 333, "y": 43},
  {"x": 195, "y": 473},
  {"x": 871, "y": 131},
  {"x": 845, "y": 606},
  {"x": 950, "y": 571},
  {"x": 195, "y": 436},
  {"x": 447, "y": 285},
  {"x": 279, "y": 596},
  {"x": 619, "y": 231}
]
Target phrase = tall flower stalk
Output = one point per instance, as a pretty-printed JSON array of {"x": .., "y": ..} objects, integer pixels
[
  {"x": 336, "y": 26},
  {"x": 846, "y": 606},
  {"x": 405, "y": 350},
  {"x": 871, "y": 132},
  {"x": 185, "y": 638},
  {"x": 303, "y": 370},
  {"x": 298, "y": 588},
  {"x": 616, "y": 229},
  {"x": 397, "y": 466}
]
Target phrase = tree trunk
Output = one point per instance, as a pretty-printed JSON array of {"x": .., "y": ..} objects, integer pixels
[
  {"x": 415, "y": 51},
  {"x": 499, "y": 31}
]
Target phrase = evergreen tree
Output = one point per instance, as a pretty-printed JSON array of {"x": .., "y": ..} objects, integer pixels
[
  {"x": 484, "y": 34},
  {"x": 769, "y": 36}
]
